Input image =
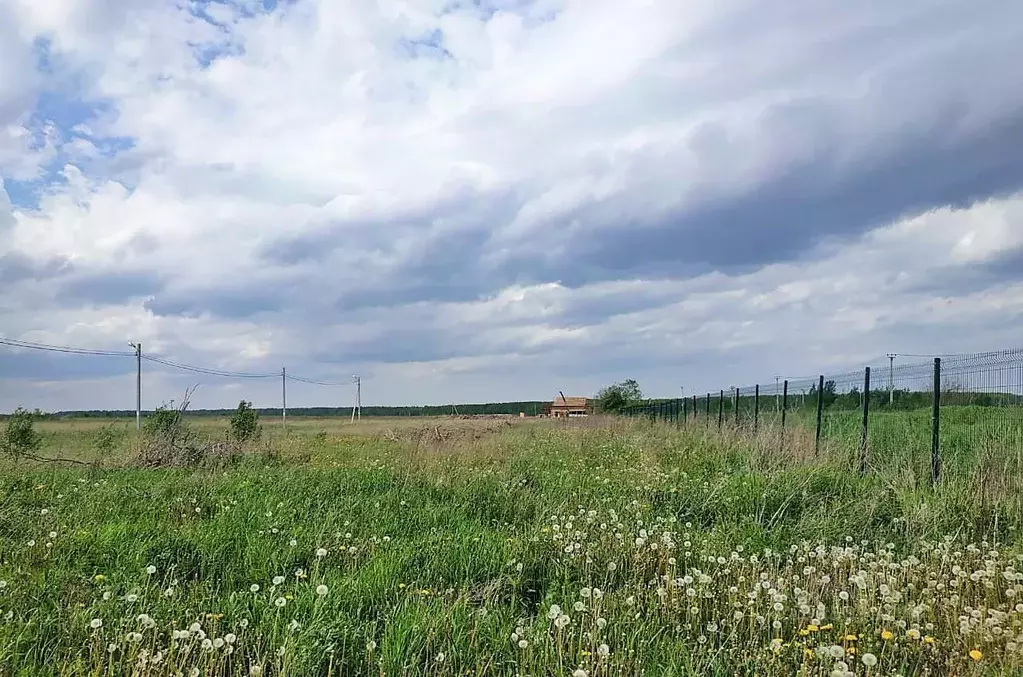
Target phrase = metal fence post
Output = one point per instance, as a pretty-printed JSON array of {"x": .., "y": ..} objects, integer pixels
[
  {"x": 756, "y": 408},
  {"x": 708, "y": 408},
  {"x": 736, "y": 407},
  {"x": 866, "y": 421},
  {"x": 784, "y": 410},
  {"x": 820, "y": 413},
  {"x": 721, "y": 408},
  {"x": 685, "y": 411},
  {"x": 936, "y": 425}
]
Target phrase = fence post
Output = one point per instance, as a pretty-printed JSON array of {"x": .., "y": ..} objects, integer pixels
[
  {"x": 685, "y": 411},
  {"x": 756, "y": 409},
  {"x": 866, "y": 421},
  {"x": 820, "y": 413},
  {"x": 936, "y": 425},
  {"x": 736, "y": 407},
  {"x": 708, "y": 408},
  {"x": 721, "y": 408},
  {"x": 784, "y": 409},
  {"x": 696, "y": 410}
]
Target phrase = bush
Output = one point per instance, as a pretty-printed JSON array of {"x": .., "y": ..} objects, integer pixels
[
  {"x": 245, "y": 422},
  {"x": 164, "y": 422},
  {"x": 106, "y": 440},
  {"x": 20, "y": 437}
]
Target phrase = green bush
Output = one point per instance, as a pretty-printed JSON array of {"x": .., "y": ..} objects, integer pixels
[
  {"x": 245, "y": 422},
  {"x": 106, "y": 440},
  {"x": 20, "y": 436}
]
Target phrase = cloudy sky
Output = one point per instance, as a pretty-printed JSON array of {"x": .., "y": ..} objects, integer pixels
[{"x": 481, "y": 200}]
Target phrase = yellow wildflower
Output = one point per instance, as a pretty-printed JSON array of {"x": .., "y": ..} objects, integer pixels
[
  {"x": 827, "y": 626},
  {"x": 851, "y": 638},
  {"x": 100, "y": 578},
  {"x": 812, "y": 628},
  {"x": 886, "y": 635},
  {"x": 976, "y": 654},
  {"x": 929, "y": 640}
]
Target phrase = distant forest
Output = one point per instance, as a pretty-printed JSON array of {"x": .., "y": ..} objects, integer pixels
[{"x": 494, "y": 408}]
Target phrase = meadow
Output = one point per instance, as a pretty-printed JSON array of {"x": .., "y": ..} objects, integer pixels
[{"x": 507, "y": 547}]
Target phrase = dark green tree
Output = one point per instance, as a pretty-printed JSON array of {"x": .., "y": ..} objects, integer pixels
[{"x": 616, "y": 397}]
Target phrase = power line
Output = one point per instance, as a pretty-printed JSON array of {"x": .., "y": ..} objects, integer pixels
[
  {"x": 207, "y": 371},
  {"x": 313, "y": 381},
  {"x": 14, "y": 343},
  {"x": 70, "y": 350}
]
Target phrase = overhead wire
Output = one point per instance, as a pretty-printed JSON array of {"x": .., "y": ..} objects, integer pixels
[
  {"x": 15, "y": 343},
  {"x": 71, "y": 350},
  {"x": 205, "y": 370}
]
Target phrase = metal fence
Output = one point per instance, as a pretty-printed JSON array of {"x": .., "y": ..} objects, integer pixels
[{"x": 919, "y": 414}]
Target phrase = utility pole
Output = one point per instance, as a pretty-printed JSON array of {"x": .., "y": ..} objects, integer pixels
[
  {"x": 284, "y": 396},
  {"x": 357, "y": 407},
  {"x": 138, "y": 384},
  {"x": 891, "y": 378}
]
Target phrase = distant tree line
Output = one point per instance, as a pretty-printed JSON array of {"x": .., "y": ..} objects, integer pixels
[{"x": 530, "y": 408}]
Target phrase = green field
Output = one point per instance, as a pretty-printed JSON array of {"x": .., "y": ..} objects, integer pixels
[{"x": 507, "y": 547}]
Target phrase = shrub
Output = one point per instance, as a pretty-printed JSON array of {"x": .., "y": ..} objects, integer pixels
[
  {"x": 245, "y": 422},
  {"x": 106, "y": 440},
  {"x": 20, "y": 437}
]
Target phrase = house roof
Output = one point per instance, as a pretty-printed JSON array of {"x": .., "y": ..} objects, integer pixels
[{"x": 570, "y": 402}]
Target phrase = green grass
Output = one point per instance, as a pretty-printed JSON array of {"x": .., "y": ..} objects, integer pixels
[{"x": 448, "y": 542}]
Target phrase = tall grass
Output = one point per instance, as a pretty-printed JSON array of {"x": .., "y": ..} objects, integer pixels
[{"x": 605, "y": 548}]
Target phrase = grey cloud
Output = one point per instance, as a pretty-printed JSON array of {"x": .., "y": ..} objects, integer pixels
[
  {"x": 35, "y": 365},
  {"x": 1006, "y": 268},
  {"x": 226, "y": 303},
  {"x": 17, "y": 267},
  {"x": 108, "y": 288},
  {"x": 785, "y": 218},
  {"x": 788, "y": 216}
]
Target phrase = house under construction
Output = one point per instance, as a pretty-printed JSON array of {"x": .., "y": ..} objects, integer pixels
[{"x": 565, "y": 407}]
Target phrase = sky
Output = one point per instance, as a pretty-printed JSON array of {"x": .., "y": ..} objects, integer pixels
[{"x": 487, "y": 200}]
